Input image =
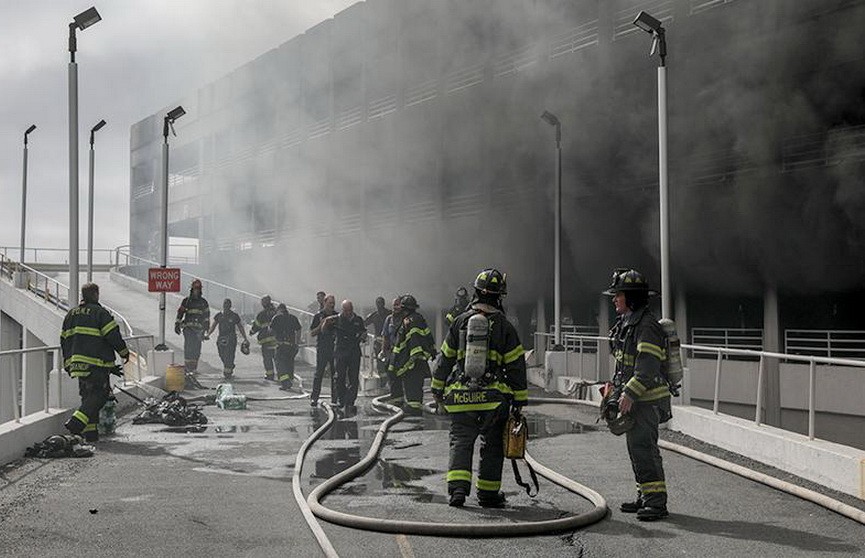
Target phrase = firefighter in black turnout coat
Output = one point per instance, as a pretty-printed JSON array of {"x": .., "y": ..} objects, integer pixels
[
  {"x": 480, "y": 377},
  {"x": 193, "y": 320},
  {"x": 261, "y": 327},
  {"x": 89, "y": 339},
  {"x": 640, "y": 389}
]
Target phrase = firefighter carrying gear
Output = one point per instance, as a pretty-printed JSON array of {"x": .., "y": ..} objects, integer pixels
[
  {"x": 226, "y": 341},
  {"x": 413, "y": 348},
  {"x": 285, "y": 328},
  {"x": 480, "y": 407},
  {"x": 461, "y": 302},
  {"x": 89, "y": 339},
  {"x": 638, "y": 344},
  {"x": 193, "y": 319},
  {"x": 265, "y": 338}
]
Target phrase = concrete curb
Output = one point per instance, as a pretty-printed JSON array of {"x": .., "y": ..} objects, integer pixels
[{"x": 832, "y": 465}]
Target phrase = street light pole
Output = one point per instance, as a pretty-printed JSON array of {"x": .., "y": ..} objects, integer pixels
[
  {"x": 659, "y": 44},
  {"x": 553, "y": 120},
  {"x": 93, "y": 131},
  {"x": 82, "y": 21},
  {"x": 24, "y": 194},
  {"x": 167, "y": 124}
]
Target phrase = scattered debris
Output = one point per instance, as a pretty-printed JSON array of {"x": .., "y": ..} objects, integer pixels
[
  {"x": 60, "y": 445},
  {"x": 227, "y": 399},
  {"x": 172, "y": 410}
]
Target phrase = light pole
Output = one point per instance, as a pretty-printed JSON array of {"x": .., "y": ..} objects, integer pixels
[
  {"x": 167, "y": 123},
  {"x": 553, "y": 120},
  {"x": 82, "y": 21},
  {"x": 659, "y": 44},
  {"x": 24, "y": 194},
  {"x": 93, "y": 131}
]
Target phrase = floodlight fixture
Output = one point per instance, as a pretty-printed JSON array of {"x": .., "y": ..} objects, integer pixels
[
  {"x": 170, "y": 118},
  {"x": 82, "y": 21},
  {"x": 28, "y": 131},
  {"x": 95, "y": 129},
  {"x": 553, "y": 120},
  {"x": 654, "y": 27}
]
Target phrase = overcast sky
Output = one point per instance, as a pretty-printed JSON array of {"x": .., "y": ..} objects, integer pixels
[{"x": 143, "y": 55}]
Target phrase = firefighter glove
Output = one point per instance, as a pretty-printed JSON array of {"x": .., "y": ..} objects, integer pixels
[{"x": 177, "y": 328}]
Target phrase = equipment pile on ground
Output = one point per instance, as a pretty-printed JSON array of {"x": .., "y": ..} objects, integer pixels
[
  {"x": 66, "y": 445},
  {"x": 172, "y": 410}
]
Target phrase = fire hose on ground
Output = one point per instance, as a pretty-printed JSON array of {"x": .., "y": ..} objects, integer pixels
[{"x": 315, "y": 506}]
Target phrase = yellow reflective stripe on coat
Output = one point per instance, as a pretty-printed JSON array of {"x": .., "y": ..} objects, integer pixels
[
  {"x": 521, "y": 395},
  {"x": 513, "y": 354},
  {"x": 482, "y": 484},
  {"x": 652, "y": 349},
  {"x": 435, "y": 383},
  {"x": 447, "y": 350},
  {"x": 492, "y": 405},
  {"x": 87, "y": 360},
  {"x": 81, "y": 330},
  {"x": 636, "y": 386},
  {"x": 626, "y": 359},
  {"x": 80, "y": 416},
  {"x": 659, "y": 392},
  {"x": 459, "y": 475},
  {"x": 108, "y": 327}
]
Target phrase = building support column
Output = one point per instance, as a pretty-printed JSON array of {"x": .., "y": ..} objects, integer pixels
[
  {"x": 772, "y": 367},
  {"x": 603, "y": 346}
]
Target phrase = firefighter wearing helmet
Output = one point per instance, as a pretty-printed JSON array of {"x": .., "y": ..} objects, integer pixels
[
  {"x": 461, "y": 302},
  {"x": 639, "y": 390},
  {"x": 261, "y": 329},
  {"x": 479, "y": 379},
  {"x": 412, "y": 349},
  {"x": 193, "y": 321}
]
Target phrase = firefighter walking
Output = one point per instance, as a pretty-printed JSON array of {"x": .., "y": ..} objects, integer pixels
[
  {"x": 89, "y": 339},
  {"x": 229, "y": 324},
  {"x": 285, "y": 328},
  {"x": 640, "y": 390},
  {"x": 261, "y": 327},
  {"x": 480, "y": 377},
  {"x": 193, "y": 320},
  {"x": 413, "y": 348}
]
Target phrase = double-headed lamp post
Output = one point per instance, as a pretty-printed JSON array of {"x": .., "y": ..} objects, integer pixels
[
  {"x": 93, "y": 131},
  {"x": 659, "y": 44},
  {"x": 553, "y": 120},
  {"x": 82, "y": 21},
  {"x": 24, "y": 194},
  {"x": 167, "y": 124}
]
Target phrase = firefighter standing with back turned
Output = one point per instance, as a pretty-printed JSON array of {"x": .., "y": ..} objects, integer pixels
[
  {"x": 89, "y": 339},
  {"x": 285, "y": 328},
  {"x": 489, "y": 379},
  {"x": 193, "y": 320},
  {"x": 413, "y": 348},
  {"x": 265, "y": 338},
  {"x": 640, "y": 390}
]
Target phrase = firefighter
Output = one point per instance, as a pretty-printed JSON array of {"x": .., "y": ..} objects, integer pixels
[
  {"x": 388, "y": 335},
  {"x": 285, "y": 328},
  {"x": 461, "y": 302},
  {"x": 480, "y": 377},
  {"x": 376, "y": 319},
  {"x": 413, "y": 347},
  {"x": 322, "y": 329},
  {"x": 89, "y": 339},
  {"x": 193, "y": 320},
  {"x": 350, "y": 333},
  {"x": 261, "y": 326},
  {"x": 639, "y": 346},
  {"x": 229, "y": 323}
]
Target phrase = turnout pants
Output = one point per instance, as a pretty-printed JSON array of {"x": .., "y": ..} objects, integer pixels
[
  {"x": 227, "y": 347},
  {"x": 346, "y": 377},
  {"x": 412, "y": 386},
  {"x": 284, "y": 359},
  {"x": 268, "y": 353},
  {"x": 323, "y": 361},
  {"x": 465, "y": 427},
  {"x": 94, "y": 391},
  {"x": 645, "y": 456},
  {"x": 191, "y": 348}
]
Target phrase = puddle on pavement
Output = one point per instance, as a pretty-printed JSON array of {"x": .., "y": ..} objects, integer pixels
[{"x": 191, "y": 429}]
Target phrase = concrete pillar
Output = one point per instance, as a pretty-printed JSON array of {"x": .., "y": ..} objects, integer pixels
[
  {"x": 603, "y": 346},
  {"x": 34, "y": 376},
  {"x": 772, "y": 370},
  {"x": 10, "y": 366},
  {"x": 681, "y": 317}
]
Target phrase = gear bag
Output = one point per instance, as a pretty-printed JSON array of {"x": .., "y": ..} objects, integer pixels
[{"x": 516, "y": 435}]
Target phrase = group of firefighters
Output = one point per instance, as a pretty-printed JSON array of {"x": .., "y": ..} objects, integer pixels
[{"x": 478, "y": 378}]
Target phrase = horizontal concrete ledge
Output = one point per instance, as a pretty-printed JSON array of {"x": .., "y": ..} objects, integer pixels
[
  {"x": 15, "y": 437},
  {"x": 832, "y": 465}
]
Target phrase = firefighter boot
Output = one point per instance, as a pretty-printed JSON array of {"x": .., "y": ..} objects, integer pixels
[
  {"x": 493, "y": 500},
  {"x": 227, "y": 373},
  {"x": 648, "y": 513},
  {"x": 632, "y": 507},
  {"x": 457, "y": 498}
]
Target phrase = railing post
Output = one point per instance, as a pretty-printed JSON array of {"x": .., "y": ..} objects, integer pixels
[
  {"x": 759, "y": 416},
  {"x": 58, "y": 356},
  {"x": 812, "y": 374},
  {"x": 717, "y": 383},
  {"x": 46, "y": 376},
  {"x": 581, "y": 358},
  {"x": 829, "y": 344}
]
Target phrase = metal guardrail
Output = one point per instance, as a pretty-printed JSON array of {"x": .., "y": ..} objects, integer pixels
[
  {"x": 722, "y": 352},
  {"x": 56, "y": 365},
  {"x": 832, "y": 343},
  {"x": 738, "y": 338}
]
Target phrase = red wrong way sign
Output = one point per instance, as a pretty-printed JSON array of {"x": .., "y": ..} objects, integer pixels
[{"x": 163, "y": 279}]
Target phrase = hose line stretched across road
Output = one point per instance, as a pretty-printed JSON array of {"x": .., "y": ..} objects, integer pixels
[{"x": 445, "y": 529}]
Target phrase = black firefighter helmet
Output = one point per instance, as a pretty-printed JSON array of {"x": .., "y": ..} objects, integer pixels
[
  {"x": 627, "y": 279},
  {"x": 408, "y": 302},
  {"x": 491, "y": 281}
]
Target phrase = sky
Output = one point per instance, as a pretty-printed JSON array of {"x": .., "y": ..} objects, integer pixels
[{"x": 142, "y": 56}]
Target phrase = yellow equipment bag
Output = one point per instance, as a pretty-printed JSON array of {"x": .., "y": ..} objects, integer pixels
[{"x": 516, "y": 436}]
